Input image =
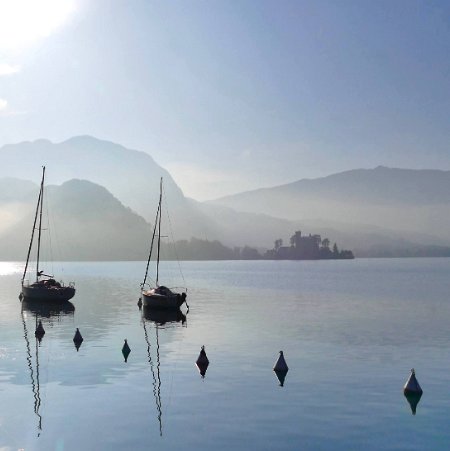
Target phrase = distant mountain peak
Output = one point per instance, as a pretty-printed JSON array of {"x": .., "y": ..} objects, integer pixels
[{"x": 88, "y": 139}]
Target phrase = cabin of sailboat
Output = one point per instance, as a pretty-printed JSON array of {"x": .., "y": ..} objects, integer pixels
[
  {"x": 45, "y": 287},
  {"x": 159, "y": 296}
]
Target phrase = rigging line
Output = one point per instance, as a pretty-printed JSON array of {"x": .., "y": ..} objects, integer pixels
[
  {"x": 54, "y": 229},
  {"x": 49, "y": 235},
  {"x": 30, "y": 366},
  {"x": 32, "y": 234},
  {"x": 173, "y": 238},
  {"x": 158, "y": 406},
  {"x": 151, "y": 245},
  {"x": 40, "y": 224},
  {"x": 159, "y": 230}
]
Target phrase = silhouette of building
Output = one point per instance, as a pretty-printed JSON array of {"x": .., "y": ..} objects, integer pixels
[{"x": 309, "y": 247}]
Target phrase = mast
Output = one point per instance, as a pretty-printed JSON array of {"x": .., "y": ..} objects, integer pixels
[
  {"x": 151, "y": 245},
  {"x": 159, "y": 231},
  {"x": 32, "y": 234},
  {"x": 40, "y": 224}
]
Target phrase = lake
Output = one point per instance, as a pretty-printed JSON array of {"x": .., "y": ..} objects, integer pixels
[{"x": 351, "y": 330}]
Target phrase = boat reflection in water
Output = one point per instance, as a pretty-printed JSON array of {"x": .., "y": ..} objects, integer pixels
[
  {"x": 39, "y": 310},
  {"x": 161, "y": 319},
  {"x": 49, "y": 310}
]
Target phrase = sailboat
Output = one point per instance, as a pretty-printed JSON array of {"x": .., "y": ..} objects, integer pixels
[
  {"x": 159, "y": 296},
  {"x": 45, "y": 287}
]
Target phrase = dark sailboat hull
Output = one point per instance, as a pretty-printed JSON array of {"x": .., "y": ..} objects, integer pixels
[
  {"x": 49, "y": 294},
  {"x": 153, "y": 300}
]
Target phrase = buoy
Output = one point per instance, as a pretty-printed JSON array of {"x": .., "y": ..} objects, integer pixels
[
  {"x": 281, "y": 369},
  {"x": 280, "y": 364},
  {"x": 202, "y": 362},
  {"x": 412, "y": 391},
  {"x": 77, "y": 339},
  {"x": 126, "y": 350},
  {"x": 412, "y": 385},
  {"x": 40, "y": 332},
  {"x": 139, "y": 303}
]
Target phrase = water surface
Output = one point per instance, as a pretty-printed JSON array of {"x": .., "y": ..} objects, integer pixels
[{"x": 350, "y": 332}]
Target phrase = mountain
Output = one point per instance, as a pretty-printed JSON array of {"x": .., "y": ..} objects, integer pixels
[
  {"x": 377, "y": 211},
  {"x": 84, "y": 222},
  {"x": 131, "y": 176},
  {"x": 416, "y": 201}
]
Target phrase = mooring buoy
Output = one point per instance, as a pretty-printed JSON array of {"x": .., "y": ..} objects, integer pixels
[
  {"x": 39, "y": 332},
  {"x": 280, "y": 364},
  {"x": 412, "y": 385},
  {"x": 139, "y": 303},
  {"x": 126, "y": 350},
  {"x": 202, "y": 362},
  {"x": 281, "y": 368},
  {"x": 412, "y": 391},
  {"x": 77, "y": 339}
]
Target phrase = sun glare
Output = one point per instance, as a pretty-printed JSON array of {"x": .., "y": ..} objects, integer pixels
[
  {"x": 8, "y": 268},
  {"x": 23, "y": 22}
]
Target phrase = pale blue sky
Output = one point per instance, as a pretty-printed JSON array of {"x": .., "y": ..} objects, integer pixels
[{"x": 233, "y": 95}]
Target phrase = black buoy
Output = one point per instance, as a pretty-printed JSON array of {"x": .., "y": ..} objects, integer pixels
[
  {"x": 202, "y": 362},
  {"x": 77, "y": 339},
  {"x": 39, "y": 332},
  {"x": 139, "y": 303},
  {"x": 281, "y": 369},
  {"x": 126, "y": 350},
  {"x": 412, "y": 385},
  {"x": 412, "y": 391}
]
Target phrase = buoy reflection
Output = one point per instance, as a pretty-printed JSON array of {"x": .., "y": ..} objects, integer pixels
[{"x": 202, "y": 362}]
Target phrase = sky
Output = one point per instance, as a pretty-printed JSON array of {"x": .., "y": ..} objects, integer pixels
[{"x": 233, "y": 95}]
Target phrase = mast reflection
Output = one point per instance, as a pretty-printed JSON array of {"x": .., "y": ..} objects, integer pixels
[
  {"x": 161, "y": 319},
  {"x": 156, "y": 377},
  {"x": 34, "y": 374},
  {"x": 39, "y": 310}
]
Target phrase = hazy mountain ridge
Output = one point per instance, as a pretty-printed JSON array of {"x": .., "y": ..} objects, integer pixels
[
  {"x": 89, "y": 223},
  {"x": 86, "y": 223},
  {"x": 417, "y": 201},
  {"x": 125, "y": 187},
  {"x": 382, "y": 185},
  {"x": 130, "y": 175}
]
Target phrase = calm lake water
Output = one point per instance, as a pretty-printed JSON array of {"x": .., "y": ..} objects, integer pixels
[{"x": 350, "y": 331}]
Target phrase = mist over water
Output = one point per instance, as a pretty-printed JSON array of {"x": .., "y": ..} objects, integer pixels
[{"x": 350, "y": 332}]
